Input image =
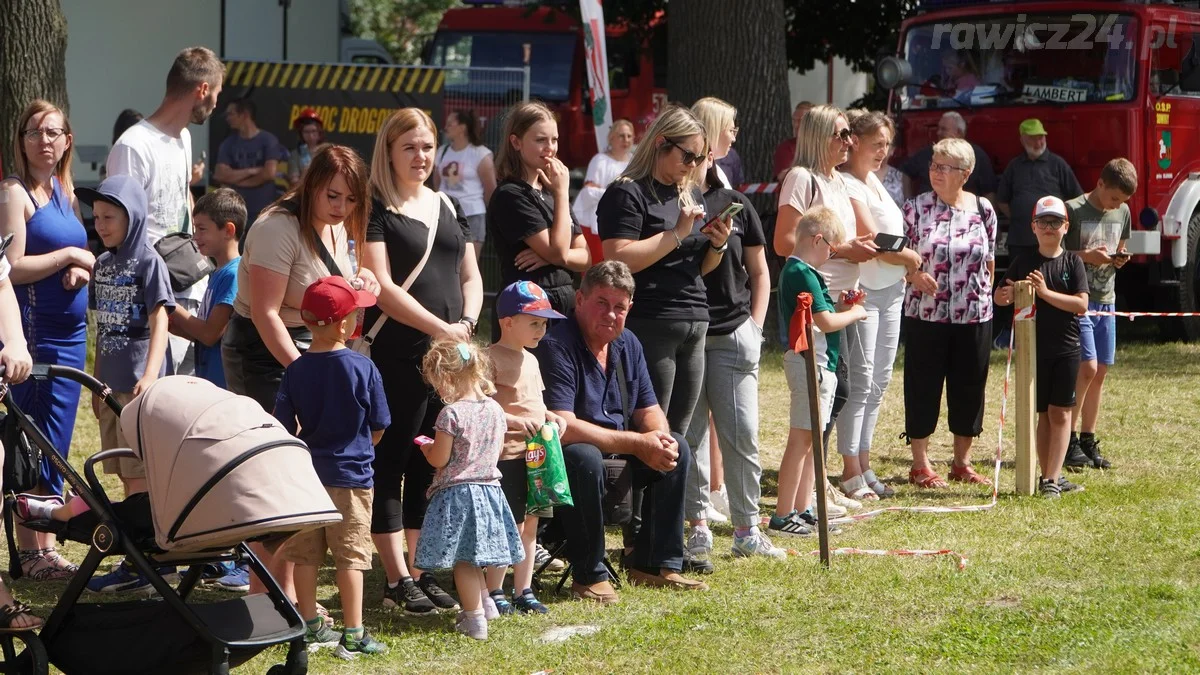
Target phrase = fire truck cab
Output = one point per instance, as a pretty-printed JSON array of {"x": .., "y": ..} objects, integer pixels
[
  {"x": 1106, "y": 78},
  {"x": 495, "y": 36}
]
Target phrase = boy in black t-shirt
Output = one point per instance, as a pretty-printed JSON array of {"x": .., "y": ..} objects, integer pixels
[{"x": 1061, "y": 284}]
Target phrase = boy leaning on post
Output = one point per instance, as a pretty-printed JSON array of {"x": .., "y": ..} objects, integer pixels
[{"x": 1061, "y": 286}]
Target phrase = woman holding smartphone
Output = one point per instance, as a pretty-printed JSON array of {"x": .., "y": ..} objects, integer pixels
[
  {"x": 737, "y": 290},
  {"x": 871, "y": 344}
]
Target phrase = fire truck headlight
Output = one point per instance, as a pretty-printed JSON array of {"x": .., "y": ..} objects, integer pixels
[{"x": 1148, "y": 218}]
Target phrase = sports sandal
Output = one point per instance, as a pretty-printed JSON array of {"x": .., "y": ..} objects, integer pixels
[
  {"x": 857, "y": 488},
  {"x": 883, "y": 490},
  {"x": 966, "y": 474},
  {"x": 9, "y": 614},
  {"x": 926, "y": 479},
  {"x": 45, "y": 564}
]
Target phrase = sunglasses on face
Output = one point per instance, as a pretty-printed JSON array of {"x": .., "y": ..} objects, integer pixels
[
  {"x": 943, "y": 169},
  {"x": 844, "y": 135},
  {"x": 1048, "y": 223},
  {"x": 50, "y": 134},
  {"x": 690, "y": 158}
]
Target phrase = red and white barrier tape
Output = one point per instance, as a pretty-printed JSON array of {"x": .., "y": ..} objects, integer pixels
[
  {"x": 1025, "y": 313},
  {"x": 1134, "y": 315},
  {"x": 962, "y": 559},
  {"x": 757, "y": 188}
]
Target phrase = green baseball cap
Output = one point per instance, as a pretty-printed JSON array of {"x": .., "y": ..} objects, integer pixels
[{"x": 1033, "y": 127}]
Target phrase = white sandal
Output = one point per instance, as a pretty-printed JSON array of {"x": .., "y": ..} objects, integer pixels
[
  {"x": 857, "y": 488},
  {"x": 882, "y": 489}
]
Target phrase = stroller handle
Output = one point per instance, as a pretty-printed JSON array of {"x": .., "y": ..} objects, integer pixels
[{"x": 46, "y": 371}]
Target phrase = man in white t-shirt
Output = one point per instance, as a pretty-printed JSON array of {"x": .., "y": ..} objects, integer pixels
[{"x": 158, "y": 153}]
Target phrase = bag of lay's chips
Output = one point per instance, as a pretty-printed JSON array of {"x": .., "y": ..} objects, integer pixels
[{"x": 546, "y": 470}]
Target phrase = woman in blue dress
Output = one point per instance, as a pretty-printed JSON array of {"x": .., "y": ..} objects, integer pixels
[{"x": 51, "y": 267}]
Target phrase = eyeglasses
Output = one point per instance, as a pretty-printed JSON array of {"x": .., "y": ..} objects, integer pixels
[
  {"x": 733, "y": 131},
  {"x": 844, "y": 135},
  {"x": 832, "y": 251},
  {"x": 690, "y": 158},
  {"x": 943, "y": 169},
  {"x": 50, "y": 134},
  {"x": 1048, "y": 223}
]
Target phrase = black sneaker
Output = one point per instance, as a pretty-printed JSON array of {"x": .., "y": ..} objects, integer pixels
[
  {"x": 1065, "y": 486},
  {"x": 503, "y": 606},
  {"x": 526, "y": 603},
  {"x": 810, "y": 519},
  {"x": 1075, "y": 459},
  {"x": 1049, "y": 489},
  {"x": 1091, "y": 451},
  {"x": 407, "y": 596},
  {"x": 441, "y": 599}
]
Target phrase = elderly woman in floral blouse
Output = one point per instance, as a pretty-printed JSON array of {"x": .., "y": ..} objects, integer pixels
[{"x": 948, "y": 312}]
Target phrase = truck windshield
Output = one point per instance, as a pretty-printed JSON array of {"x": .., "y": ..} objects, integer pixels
[
  {"x": 1022, "y": 59},
  {"x": 551, "y": 58}
]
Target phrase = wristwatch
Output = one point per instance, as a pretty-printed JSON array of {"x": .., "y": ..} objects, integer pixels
[{"x": 469, "y": 323}]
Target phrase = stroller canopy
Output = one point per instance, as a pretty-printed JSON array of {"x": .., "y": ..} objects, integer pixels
[{"x": 220, "y": 470}]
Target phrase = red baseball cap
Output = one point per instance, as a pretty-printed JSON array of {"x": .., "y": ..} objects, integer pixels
[{"x": 332, "y": 299}]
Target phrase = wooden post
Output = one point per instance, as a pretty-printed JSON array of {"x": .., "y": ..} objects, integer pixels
[
  {"x": 1025, "y": 403},
  {"x": 818, "y": 449}
]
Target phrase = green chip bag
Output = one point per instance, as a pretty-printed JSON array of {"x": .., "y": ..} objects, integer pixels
[{"x": 546, "y": 471}]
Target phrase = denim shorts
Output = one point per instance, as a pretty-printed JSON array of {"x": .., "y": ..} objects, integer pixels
[{"x": 1098, "y": 335}]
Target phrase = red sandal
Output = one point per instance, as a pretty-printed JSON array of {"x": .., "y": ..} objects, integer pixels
[
  {"x": 926, "y": 478},
  {"x": 966, "y": 474}
]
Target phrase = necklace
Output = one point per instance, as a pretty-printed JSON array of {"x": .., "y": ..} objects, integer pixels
[{"x": 650, "y": 182}]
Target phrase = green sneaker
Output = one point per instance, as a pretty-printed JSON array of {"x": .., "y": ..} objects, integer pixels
[
  {"x": 356, "y": 643},
  {"x": 323, "y": 637}
]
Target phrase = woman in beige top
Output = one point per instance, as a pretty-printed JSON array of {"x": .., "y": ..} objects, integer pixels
[{"x": 299, "y": 239}]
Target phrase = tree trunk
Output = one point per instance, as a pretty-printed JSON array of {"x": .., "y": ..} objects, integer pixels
[
  {"x": 737, "y": 52},
  {"x": 33, "y": 56}
]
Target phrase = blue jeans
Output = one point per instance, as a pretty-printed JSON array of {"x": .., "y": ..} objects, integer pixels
[{"x": 659, "y": 542}]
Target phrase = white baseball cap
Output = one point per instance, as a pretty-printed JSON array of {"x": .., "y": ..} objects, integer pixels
[{"x": 1050, "y": 206}]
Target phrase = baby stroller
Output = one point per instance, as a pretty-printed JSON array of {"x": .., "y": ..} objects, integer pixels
[{"x": 220, "y": 473}]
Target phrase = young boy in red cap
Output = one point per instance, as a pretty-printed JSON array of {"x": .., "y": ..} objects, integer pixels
[
  {"x": 1061, "y": 285},
  {"x": 332, "y": 398}
]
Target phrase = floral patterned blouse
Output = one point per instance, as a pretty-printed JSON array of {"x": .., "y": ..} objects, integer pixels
[{"x": 955, "y": 248}]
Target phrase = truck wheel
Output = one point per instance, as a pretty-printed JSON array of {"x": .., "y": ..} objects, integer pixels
[{"x": 1189, "y": 283}]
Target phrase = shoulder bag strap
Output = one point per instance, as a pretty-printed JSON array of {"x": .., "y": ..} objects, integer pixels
[
  {"x": 416, "y": 271},
  {"x": 327, "y": 258},
  {"x": 626, "y": 409},
  {"x": 812, "y": 187}
]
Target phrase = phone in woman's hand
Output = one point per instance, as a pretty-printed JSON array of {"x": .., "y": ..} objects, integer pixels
[
  {"x": 890, "y": 243},
  {"x": 729, "y": 211}
]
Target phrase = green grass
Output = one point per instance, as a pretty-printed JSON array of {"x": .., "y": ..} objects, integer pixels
[{"x": 1104, "y": 581}]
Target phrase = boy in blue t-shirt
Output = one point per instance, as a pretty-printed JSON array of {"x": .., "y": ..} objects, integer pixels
[
  {"x": 818, "y": 231},
  {"x": 332, "y": 397},
  {"x": 219, "y": 219}
]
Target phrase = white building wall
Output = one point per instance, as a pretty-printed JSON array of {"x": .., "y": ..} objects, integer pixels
[{"x": 813, "y": 85}]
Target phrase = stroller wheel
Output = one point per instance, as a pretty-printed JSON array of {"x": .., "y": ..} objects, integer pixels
[
  {"x": 33, "y": 660},
  {"x": 280, "y": 669}
]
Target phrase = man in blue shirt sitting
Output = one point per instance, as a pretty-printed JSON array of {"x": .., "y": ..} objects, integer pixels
[{"x": 586, "y": 361}]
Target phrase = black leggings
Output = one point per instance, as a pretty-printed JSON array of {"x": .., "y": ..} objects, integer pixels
[
  {"x": 402, "y": 474},
  {"x": 954, "y": 354}
]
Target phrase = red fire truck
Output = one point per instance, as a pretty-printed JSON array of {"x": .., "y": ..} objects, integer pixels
[
  {"x": 1107, "y": 78},
  {"x": 495, "y": 36}
]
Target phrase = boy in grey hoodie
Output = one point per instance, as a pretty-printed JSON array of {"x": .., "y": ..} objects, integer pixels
[{"x": 130, "y": 298}]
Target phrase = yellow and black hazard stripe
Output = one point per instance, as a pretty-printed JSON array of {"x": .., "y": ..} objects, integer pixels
[{"x": 336, "y": 77}]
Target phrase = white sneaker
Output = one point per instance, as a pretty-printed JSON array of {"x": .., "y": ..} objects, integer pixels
[
  {"x": 712, "y": 515},
  {"x": 831, "y": 509},
  {"x": 541, "y": 555},
  {"x": 719, "y": 500},
  {"x": 697, "y": 552},
  {"x": 756, "y": 543}
]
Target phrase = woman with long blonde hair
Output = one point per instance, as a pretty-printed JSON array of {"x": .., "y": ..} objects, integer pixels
[
  {"x": 419, "y": 247},
  {"x": 530, "y": 220},
  {"x": 652, "y": 219},
  {"x": 822, "y": 143},
  {"x": 51, "y": 267},
  {"x": 737, "y": 291}
]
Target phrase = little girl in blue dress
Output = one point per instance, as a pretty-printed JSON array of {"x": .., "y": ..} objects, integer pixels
[{"x": 468, "y": 525}]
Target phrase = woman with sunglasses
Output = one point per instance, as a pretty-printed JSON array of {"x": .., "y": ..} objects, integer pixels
[
  {"x": 652, "y": 219},
  {"x": 51, "y": 267},
  {"x": 822, "y": 144},
  {"x": 948, "y": 312}
]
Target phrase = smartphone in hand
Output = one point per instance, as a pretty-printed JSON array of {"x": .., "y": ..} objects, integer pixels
[
  {"x": 730, "y": 211},
  {"x": 890, "y": 243}
]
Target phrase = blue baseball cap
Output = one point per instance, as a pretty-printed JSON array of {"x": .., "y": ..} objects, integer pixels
[{"x": 525, "y": 297}]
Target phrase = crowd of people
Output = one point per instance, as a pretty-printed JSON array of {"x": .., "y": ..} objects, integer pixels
[{"x": 655, "y": 401}]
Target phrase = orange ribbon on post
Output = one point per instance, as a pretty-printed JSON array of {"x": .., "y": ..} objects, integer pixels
[{"x": 800, "y": 338}]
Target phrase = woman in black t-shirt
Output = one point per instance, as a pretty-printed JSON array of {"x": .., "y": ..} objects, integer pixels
[
  {"x": 738, "y": 291},
  {"x": 529, "y": 217},
  {"x": 443, "y": 299},
  {"x": 651, "y": 219}
]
